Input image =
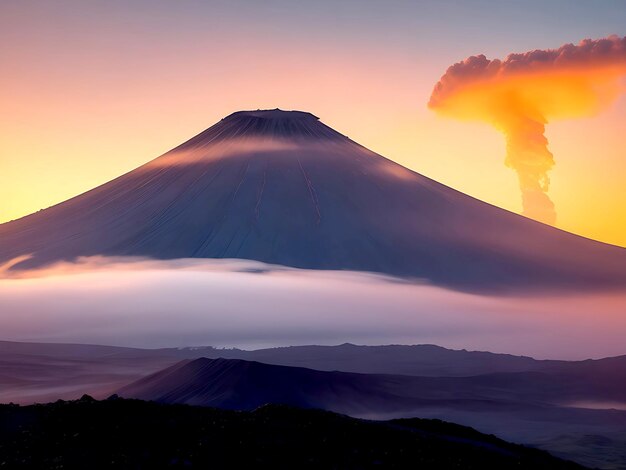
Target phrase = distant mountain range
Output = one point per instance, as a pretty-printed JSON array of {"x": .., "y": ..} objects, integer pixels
[
  {"x": 283, "y": 188},
  {"x": 560, "y": 406},
  {"x": 22, "y": 363}
]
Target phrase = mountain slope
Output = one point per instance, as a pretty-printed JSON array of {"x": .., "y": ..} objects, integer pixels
[
  {"x": 283, "y": 188},
  {"x": 245, "y": 385}
]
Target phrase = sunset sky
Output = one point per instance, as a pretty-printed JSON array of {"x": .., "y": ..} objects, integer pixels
[{"x": 92, "y": 89}]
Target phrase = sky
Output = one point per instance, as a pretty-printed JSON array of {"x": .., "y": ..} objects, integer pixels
[{"x": 92, "y": 89}]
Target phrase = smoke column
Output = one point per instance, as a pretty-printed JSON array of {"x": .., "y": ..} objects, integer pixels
[{"x": 522, "y": 93}]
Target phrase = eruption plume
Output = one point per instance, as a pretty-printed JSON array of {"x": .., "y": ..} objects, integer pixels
[{"x": 521, "y": 94}]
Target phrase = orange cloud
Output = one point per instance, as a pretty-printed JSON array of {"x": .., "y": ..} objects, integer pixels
[{"x": 522, "y": 93}]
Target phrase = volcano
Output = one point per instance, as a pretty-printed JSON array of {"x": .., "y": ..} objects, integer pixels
[{"x": 283, "y": 188}]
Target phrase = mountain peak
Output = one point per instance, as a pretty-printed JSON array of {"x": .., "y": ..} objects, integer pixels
[
  {"x": 274, "y": 114},
  {"x": 265, "y": 123}
]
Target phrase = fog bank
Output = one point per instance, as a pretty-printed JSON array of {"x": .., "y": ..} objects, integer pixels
[{"x": 245, "y": 304}]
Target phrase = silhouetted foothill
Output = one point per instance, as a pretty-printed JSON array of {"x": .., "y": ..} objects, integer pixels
[{"x": 135, "y": 434}]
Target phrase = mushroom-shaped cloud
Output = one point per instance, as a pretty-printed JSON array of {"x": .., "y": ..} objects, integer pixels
[{"x": 522, "y": 93}]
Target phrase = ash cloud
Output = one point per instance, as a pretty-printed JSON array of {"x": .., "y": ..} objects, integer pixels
[{"x": 522, "y": 93}]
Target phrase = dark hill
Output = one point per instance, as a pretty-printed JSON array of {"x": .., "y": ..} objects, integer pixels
[
  {"x": 283, "y": 188},
  {"x": 133, "y": 434},
  {"x": 246, "y": 385}
]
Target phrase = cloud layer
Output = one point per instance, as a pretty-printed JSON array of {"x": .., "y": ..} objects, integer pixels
[{"x": 249, "y": 304}]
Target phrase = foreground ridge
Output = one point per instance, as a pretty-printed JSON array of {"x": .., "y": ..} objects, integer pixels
[{"x": 134, "y": 434}]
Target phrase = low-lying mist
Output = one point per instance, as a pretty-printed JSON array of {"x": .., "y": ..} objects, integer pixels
[{"x": 235, "y": 303}]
